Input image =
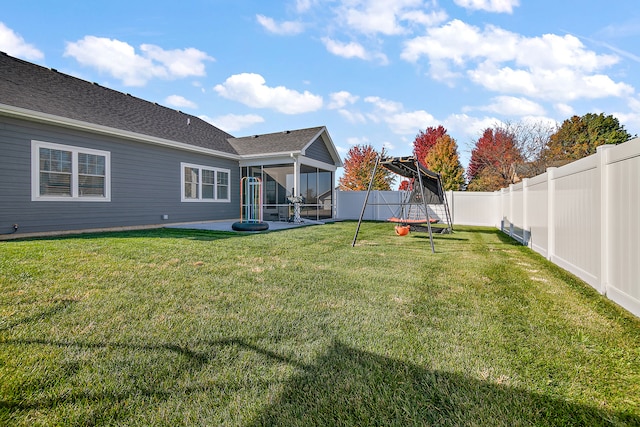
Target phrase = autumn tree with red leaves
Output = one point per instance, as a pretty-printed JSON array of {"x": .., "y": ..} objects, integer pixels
[
  {"x": 358, "y": 168},
  {"x": 494, "y": 160},
  {"x": 425, "y": 141},
  {"x": 438, "y": 152},
  {"x": 405, "y": 185}
]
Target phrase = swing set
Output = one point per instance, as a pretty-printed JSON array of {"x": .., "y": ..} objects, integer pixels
[{"x": 418, "y": 203}]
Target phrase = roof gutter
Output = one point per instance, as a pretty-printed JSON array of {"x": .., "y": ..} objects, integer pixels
[
  {"x": 268, "y": 155},
  {"x": 37, "y": 116}
]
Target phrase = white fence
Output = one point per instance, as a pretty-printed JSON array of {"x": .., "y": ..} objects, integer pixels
[
  {"x": 468, "y": 208},
  {"x": 584, "y": 217}
]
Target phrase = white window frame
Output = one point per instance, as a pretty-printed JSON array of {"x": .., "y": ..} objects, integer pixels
[
  {"x": 75, "y": 196},
  {"x": 200, "y": 168}
]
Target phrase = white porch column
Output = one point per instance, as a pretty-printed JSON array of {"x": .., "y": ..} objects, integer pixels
[{"x": 296, "y": 176}]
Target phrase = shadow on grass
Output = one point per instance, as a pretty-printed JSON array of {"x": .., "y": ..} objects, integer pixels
[
  {"x": 55, "y": 308},
  {"x": 344, "y": 386},
  {"x": 347, "y": 386},
  {"x": 169, "y": 233},
  {"x": 441, "y": 237}
]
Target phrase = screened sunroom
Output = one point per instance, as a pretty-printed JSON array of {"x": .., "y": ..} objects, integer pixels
[{"x": 292, "y": 163}]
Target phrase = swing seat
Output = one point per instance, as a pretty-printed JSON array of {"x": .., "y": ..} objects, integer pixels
[{"x": 412, "y": 221}]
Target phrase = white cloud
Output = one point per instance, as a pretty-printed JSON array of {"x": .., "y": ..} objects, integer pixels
[
  {"x": 399, "y": 121},
  {"x": 14, "y": 45},
  {"x": 341, "y": 99},
  {"x": 551, "y": 51},
  {"x": 341, "y": 150},
  {"x": 352, "y": 116},
  {"x": 431, "y": 19},
  {"x": 353, "y": 50},
  {"x": 564, "y": 110},
  {"x": 500, "y": 6},
  {"x": 282, "y": 28},
  {"x": 180, "y": 102},
  {"x": 631, "y": 118},
  {"x": 559, "y": 85},
  {"x": 357, "y": 140},
  {"x": 469, "y": 126},
  {"x": 384, "y": 105},
  {"x": 634, "y": 103},
  {"x": 304, "y": 5},
  {"x": 234, "y": 122},
  {"x": 388, "y": 146},
  {"x": 345, "y": 50},
  {"x": 409, "y": 123},
  {"x": 120, "y": 60},
  {"x": 250, "y": 89},
  {"x": 459, "y": 43},
  {"x": 378, "y": 16},
  {"x": 548, "y": 67},
  {"x": 179, "y": 62},
  {"x": 512, "y": 106}
]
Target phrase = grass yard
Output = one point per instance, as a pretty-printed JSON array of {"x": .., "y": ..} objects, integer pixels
[{"x": 296, "y": 327}]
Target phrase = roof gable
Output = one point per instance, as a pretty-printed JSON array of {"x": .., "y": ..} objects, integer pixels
[
  {"x": 286, "y": 142},
  {"x": 278, "y": 142}
]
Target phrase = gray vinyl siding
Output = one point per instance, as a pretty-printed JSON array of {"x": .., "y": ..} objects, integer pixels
[
  {"x": 145, "y": 183},
  {"x": 318, "y": 151}
]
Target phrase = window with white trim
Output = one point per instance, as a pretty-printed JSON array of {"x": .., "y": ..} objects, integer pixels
[
  {"x": 65, "y": 172},
  {"x": 204, "y": 183}
]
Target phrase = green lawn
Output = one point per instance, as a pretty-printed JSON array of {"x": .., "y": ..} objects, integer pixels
[{"x": 296, "y": 327}]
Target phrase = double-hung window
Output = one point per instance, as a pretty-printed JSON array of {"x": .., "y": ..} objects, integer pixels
[
  {"x": 64, "y": 172},
  {"x": 204, "y": 183}
]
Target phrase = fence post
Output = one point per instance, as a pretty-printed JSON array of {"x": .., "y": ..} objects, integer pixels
[
  {"x": 605, "y": 223},
  {"x": 511, "y": 210},
  {"x": 526, "y": 231},
  {"x": 503, "y": 213},
  {"x": 551, "y": 213}
]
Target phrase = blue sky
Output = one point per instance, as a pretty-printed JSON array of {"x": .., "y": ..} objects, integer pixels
[{"x": 372, "y": 71}]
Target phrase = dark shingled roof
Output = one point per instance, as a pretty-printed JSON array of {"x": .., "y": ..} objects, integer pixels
[
  {"x": 279, "y": 142},
  {"x": 29, "y": 86},
  {"x": 35, "y": 88}
]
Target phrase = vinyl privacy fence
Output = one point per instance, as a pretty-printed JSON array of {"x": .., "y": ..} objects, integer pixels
[{"x": 584, "y": 217}]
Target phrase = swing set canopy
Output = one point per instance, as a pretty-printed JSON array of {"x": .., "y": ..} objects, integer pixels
[{"x": 409, "y": 167}]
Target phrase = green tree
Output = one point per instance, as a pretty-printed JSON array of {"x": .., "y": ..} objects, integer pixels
[
  {"x": 578, "y": 137},
  {"x": 358, "y": 168},
  {"x": 444, "y": 159}
]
